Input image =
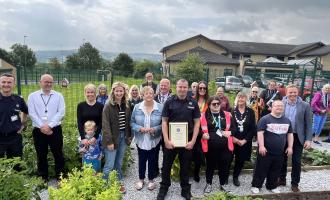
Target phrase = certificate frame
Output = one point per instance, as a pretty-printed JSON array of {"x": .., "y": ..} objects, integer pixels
[{"x": 178, "y": 133}]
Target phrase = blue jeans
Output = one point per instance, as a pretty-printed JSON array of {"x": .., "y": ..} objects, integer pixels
[
  {"x": 318, "y": 123},
  {"x": 96, "y": 163},
  {"x": 114, "y": 158}
]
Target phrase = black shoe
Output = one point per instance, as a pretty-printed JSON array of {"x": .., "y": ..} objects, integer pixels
[
  {"x": 281, "y": 182},
  {"x": 186, "y": 195},
  {"x": 161, "y": 194},
  {"x": 196, "y": 178},
  {"x": 236, "y": 182},
  {"x": 326, "y": 141}
]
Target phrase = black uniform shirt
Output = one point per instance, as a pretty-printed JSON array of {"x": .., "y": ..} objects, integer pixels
[
  {"x": 185, "y": 110},
  {"x": 10, "y": 108}
]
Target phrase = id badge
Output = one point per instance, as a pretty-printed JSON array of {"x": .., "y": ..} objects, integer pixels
[
  {"x": 219, "y": 132},
  {"x": 44, "y": 118},
  {"x": 14, "y": 118}
]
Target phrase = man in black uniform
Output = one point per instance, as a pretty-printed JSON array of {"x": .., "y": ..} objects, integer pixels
[
  {"x": 179, "y": 108},
  {"x": 13, "y": 114}
]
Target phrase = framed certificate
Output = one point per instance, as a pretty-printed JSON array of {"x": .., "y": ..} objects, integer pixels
[{"x": 178, "y": 133}]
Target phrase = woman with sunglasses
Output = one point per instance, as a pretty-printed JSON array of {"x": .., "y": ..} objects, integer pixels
[
  {"x": 254, "y": 103},
  {"x": 220, "y": 127},
  {"x": 246, "y": 129},
  {"x": 198, "y": 156}
]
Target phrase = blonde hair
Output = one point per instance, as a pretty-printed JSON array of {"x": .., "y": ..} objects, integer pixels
[
  {"x": 131, "y": 89},
  {"x": 112, "y": 94},
  {"x": 240, "y": 94},
  {"x": 90, "y": 87},
  {"x": 90, "y": 124},
  {"x": 291, "y": 85},
  {"x": 325, "y": 86},
  {"x": 146, "y": 89}
]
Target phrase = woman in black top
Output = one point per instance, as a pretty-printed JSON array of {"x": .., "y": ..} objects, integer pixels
[
  {"x": 218, "y": 154},
  {"x": 134, "y": 96},
  {"x": 268, "y": 96},
  {"x": 246, "y": 129},
  {"x": 87, "y": 110}
]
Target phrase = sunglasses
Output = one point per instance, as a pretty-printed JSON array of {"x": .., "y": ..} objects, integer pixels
[
  {"x": 202, "y": 88},
  {"x": 215, "y": 104},
  {"x": 255, "y": 91}
]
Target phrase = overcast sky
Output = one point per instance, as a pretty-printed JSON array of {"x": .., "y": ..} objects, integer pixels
[{"x": 145, "y": 26}]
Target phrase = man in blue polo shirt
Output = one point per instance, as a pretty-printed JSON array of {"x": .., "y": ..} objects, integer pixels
[{"x": 13, "y": 112}]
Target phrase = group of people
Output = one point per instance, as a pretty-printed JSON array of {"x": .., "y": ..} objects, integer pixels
[{"x": 218, "y": 134}]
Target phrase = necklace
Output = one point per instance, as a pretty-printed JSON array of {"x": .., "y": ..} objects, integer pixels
[{"x": 240, "y": 122}]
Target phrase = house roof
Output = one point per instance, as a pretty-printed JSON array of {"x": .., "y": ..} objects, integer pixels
[
  {"x": 255, "y": 47},
  {"x": 207, "y": 57},
  {"x": 318, "y": 52},
  {"x": 304, "y": 46}
]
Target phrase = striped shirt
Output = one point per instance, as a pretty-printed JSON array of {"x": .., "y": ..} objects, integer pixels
[{"x": 122, "y": 117}]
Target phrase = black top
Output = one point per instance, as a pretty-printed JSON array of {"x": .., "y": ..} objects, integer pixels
[
  {"x": 266, "y": 95},
  {"x": 10, "y": 108},
  {"x": 215, "y": 140},
  {"x": 153, "y": 85},
  {"x": 275, "y": 133},
  {"x": 122, "y": 116},
  {"x": 133, "y": 102},
  {"x": 185, "y": 110},
  {"x": 85, "y": 113}
]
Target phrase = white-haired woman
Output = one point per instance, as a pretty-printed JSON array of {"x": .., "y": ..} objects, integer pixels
[
  {"x": 246, "y": 129},
  {"x": 116, "y": 130},
  {"x": 146, "y": 126},
  {"x": 89, "y": 110},
  {"x": 320, "y": 106},
  {"x": 102, "y": 95}
]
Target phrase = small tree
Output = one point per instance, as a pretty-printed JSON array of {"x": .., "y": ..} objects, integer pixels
[
  {"x": 123, "y": 64},
  {"x": 144, "y": 66},
  {"x": 191, "y": 68},
  {"x": 55, "y": 63}
]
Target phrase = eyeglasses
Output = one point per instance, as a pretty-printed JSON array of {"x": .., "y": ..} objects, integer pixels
[
  {"x": 255, "y": 91},
  {"x": 215, "y": 104},
  {"x": 202, "y": 88}
]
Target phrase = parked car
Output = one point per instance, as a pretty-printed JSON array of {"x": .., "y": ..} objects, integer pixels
[
  {"x": 229, "y": 83},
  {"x": 246, "y": 80}
]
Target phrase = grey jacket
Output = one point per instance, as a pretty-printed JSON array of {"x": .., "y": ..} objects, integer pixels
[{"x": 303, "y": 120}]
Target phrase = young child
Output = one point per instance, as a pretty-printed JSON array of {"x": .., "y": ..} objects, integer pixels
[{"x": 91, "y": 152}]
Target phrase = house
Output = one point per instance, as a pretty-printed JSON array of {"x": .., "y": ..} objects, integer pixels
[
  {"x": 7, "y": 68},
  {"x": 224, "y": 57}
]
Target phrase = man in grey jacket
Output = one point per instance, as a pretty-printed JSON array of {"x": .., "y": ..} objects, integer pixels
[{"x": 300, "y": 115}]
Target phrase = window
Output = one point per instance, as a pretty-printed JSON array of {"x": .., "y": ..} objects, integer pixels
[
  {"x": 235, "y": 56},
  {"x": 228, "y": 72},
  {"x": 291, "y": 58},
  {"x": 280, "y": 58},
  {"x": 246, "y": 56}
]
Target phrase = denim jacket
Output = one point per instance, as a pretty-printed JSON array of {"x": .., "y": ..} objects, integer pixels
[{"x": 147, "y": 141}]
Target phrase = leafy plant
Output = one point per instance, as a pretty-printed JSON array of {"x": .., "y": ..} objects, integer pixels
[
  {"x": 227, "y": 196},
  {"x": 86, "y": 185},
  {"x": 128, "y": 160},
  {"x": 15, "y": 182},
  {"x": 317, "y": 157}
]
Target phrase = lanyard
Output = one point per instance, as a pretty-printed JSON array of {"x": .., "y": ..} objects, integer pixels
[
  {"x": 217, "y": 123},
  {"x": 45, "y": 103}
]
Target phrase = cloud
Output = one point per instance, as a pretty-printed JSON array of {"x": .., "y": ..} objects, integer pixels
[{"x": 146, "y": 26}]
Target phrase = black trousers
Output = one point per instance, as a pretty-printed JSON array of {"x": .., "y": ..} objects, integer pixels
[
  {"x": 198, "y": 157},
  {"x": 238, "y": 166},
  {"x": 55, "y": 142},
  {"x": 11, "y": 145},
  {"x": 296, "y": 162},
  {"x": 168, "y": 159},
  {"x": 268, "y": 166},
  {"x": 161, "y": 143},
  {"x": 150, "y": 157},
  {"x": 220, "y": 158}
]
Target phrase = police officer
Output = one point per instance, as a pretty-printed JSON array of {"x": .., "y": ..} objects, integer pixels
[
  {"x": 179, "y": 108},
  {"x": 13, "y": 115}
]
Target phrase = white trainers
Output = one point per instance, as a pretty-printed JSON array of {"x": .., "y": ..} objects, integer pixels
[
  {"x": 139, "y": 185},
  {"x": 255, "y": 190},
  {"x": 275, "y": 190},
  {"x": 151, "y": 185}
]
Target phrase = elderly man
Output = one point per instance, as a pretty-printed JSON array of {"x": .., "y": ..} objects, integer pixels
[
  {"x": 46, "y": 110},
  {"x": 149, "y": 82},
  {"x": 13, "y": 112},
  {"x": 274, "y": 131},
  {"x": 300, "y": 115},
  {"x": 193, "y": 90},
  {"x": 179, "y": 108}
]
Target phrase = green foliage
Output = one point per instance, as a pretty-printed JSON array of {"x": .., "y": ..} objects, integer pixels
[
  {"x": 317, "y": 157},
  {"x": 4, "y": 55},
  {"x": 17, "y": 184},
  {"x": 128, "y": 160},
  {"x": 142, "y": 67},
  {"x": 227, "y": 196},
  {"x": 55, "y": 63},
  {"x": 21, "y": 55},
  {"x": 86, "y": 185},
  {"x": 175, "y": 171},
  {"x": 191, "y": 68},
  {"x": 72, "y": 61},
  {"x": 123, "y": 65},
  {"x": 212, "y": 88}
]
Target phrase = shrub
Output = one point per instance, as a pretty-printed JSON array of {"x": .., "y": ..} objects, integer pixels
[
  {"x": 85, "y": 184},
  {"x": 317, "y": 157},
  {"x": 227, "y": 196},
  {"x": 17, "y": 184}
]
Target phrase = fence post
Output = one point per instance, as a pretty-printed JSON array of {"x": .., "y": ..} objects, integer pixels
[
  {"x": 18, "y": 74},
  {"x": 302, "y": 86},
  {"x": 314, "y": 73}
]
